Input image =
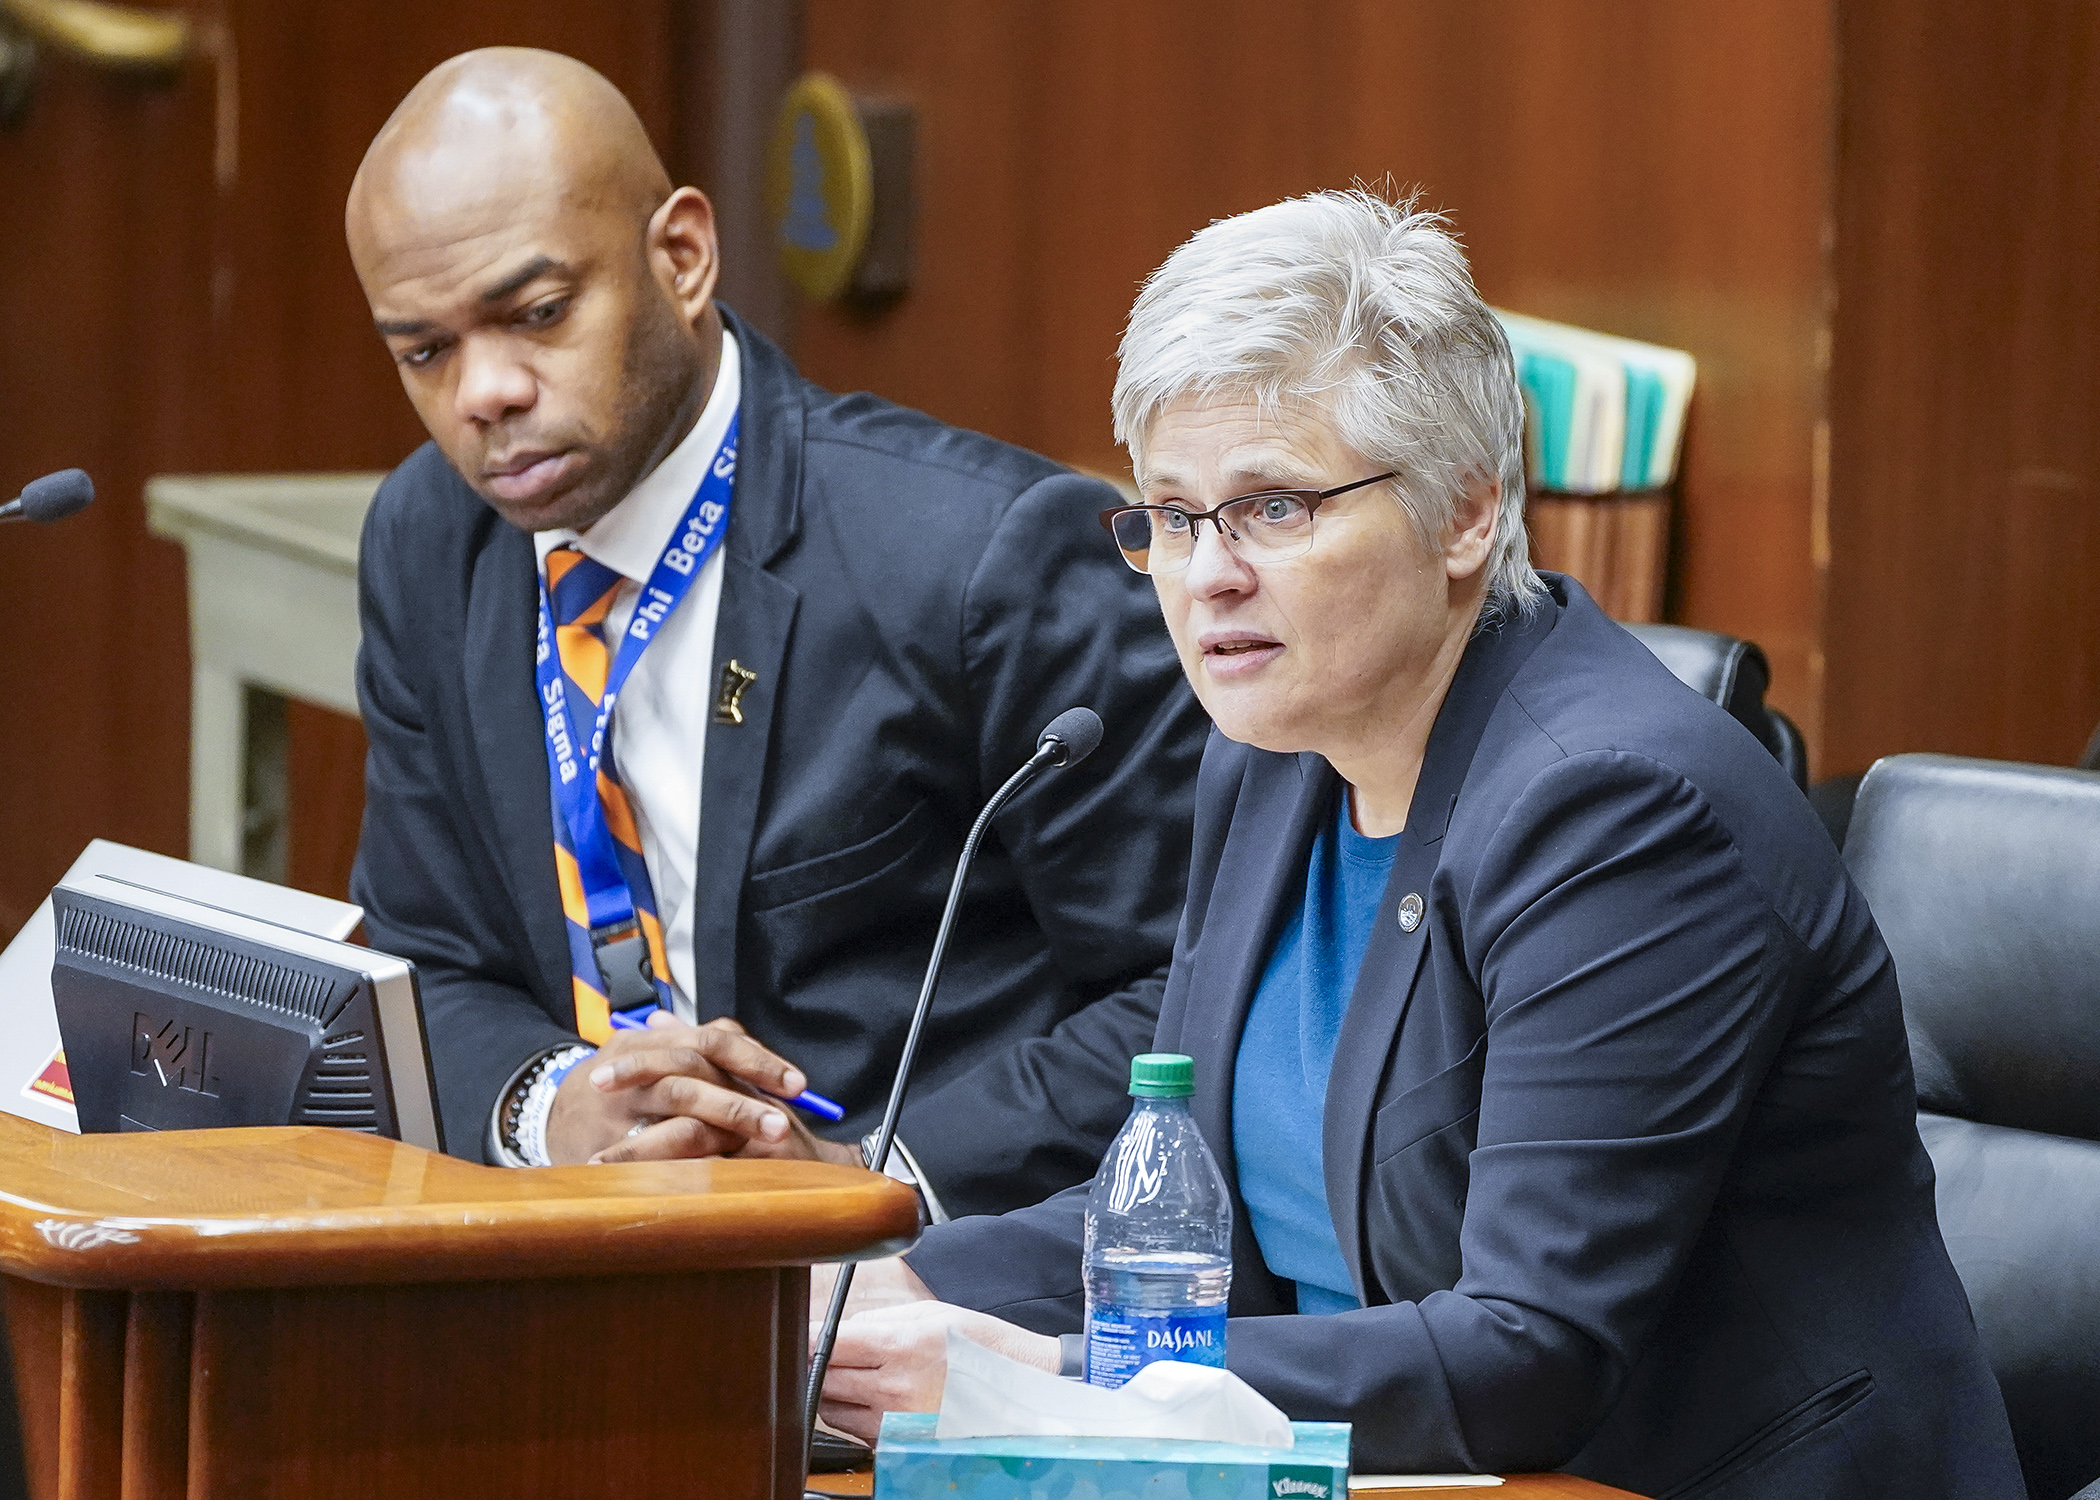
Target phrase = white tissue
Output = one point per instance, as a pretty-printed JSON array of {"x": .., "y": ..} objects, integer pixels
[
  {"x": 1423, "y": 1481},
  {"x": 989, "y": 1395}
]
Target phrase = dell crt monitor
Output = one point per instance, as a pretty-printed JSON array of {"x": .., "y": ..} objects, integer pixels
[{"x": 180, "y": 1016}]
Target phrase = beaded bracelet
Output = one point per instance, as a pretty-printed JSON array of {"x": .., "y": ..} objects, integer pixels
[{"x": 532, "y": 1100}]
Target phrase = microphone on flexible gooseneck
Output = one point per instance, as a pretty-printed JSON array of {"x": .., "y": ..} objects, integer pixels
[
  {"x": 52, "y": 498},
  {"x": 1067, "y": 740}
]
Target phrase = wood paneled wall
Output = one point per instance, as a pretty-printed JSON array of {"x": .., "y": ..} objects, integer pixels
[
  {"x": 161, "y": 320},
  {"x": 1647, "y": 167},
  {"x": 1964, "y": 590},
  {"x": 1872, "y": 220},
  {"x": 106, "y": 289}
]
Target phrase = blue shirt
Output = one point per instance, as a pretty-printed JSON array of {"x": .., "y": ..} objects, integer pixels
[{"x": 1279, "y": 1082}]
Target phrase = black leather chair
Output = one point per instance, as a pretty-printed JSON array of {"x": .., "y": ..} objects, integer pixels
[
  {"x": 1734, "y": 674},
  {"x": 1985, "y": 879},
  {"x": 1833, "y": 802}
]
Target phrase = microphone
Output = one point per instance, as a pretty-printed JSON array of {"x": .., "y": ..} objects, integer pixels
[
  {"x": 1067, "y": 740},
  {"x": 53, "y": 498},
  {"x": 1076, "y": 733}
]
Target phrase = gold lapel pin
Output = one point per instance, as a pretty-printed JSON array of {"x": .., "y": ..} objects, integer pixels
[{"x": 729, "y": 697}]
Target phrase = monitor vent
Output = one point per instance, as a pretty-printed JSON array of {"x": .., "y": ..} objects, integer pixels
[
  {"x": 340, "y": 1092},
  {"x": 165, "y": 955}
]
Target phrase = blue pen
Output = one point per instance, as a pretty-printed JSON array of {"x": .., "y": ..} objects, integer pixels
[{"x": 816, "y": 1104}]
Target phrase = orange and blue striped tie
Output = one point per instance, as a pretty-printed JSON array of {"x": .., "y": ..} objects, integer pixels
[{"x": 580, "y": 594}]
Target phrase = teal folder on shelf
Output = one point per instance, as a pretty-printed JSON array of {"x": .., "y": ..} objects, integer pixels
[
  {"x": 1602, "y": 413},
  {"x": 1644, "y": 412}
]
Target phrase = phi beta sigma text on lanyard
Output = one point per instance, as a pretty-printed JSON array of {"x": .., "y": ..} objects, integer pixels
[{"x": 572, "y": 757}]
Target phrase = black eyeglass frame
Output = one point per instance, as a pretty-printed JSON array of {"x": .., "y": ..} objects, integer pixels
[{"x": 1310, "y": 499}]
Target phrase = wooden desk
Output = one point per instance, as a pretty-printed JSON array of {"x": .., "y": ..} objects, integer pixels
[
  {"x": 312, "y": 1314},
  {"x": 1514, "y": 1487},
  {"x": 273, "y": 605}
]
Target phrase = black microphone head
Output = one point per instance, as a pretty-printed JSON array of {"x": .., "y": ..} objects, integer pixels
[
  {"x": 56, "y": 496},
  {"x": 1077, "y": 732}
]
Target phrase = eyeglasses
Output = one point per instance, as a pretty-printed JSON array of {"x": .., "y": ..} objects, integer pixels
[{"x": 1271, "y": 526}]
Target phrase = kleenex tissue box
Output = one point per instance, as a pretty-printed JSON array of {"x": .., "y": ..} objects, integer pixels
[{"x": 912, "y": 1464}]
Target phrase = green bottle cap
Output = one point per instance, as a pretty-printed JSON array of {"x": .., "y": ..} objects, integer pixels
[{"x": 1162, "y": 1075}]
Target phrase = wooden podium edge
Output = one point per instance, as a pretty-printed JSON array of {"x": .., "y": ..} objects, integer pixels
[{"x": 300, "y": 1206}]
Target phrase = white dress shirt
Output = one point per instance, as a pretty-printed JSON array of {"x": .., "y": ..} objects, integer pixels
[{"x": 659, "y": 726}]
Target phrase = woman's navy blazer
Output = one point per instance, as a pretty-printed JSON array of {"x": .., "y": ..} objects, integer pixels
[{"x": 1620, "y": 1141}]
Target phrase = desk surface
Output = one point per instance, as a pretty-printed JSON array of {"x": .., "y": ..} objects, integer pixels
[
  {"x": 1513, "y": 1487},
  {"x": 300, "y": 1206},
  {"x": 311, "y": 518}
]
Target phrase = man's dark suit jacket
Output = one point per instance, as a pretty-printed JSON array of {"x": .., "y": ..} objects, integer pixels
[
  {"x": 917, "y": 602},
  {"x": 1620, "y": 1141}
]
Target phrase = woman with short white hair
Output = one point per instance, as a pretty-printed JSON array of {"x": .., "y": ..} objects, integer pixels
[{"x": 1557, "y": 1067}]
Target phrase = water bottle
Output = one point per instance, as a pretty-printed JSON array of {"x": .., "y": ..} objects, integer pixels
[{"x": 1158, "y": 1234}]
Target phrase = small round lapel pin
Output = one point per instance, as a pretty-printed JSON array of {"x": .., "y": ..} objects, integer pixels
[{"x": 1410, "y": 912}]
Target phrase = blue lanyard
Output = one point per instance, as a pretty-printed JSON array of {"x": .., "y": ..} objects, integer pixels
[{"x": 572, "y": 760}]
